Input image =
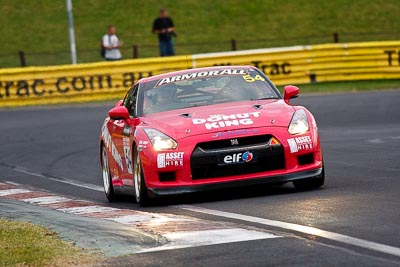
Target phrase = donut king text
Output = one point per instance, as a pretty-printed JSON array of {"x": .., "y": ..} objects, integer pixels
[{"x": 222, "y": 121}]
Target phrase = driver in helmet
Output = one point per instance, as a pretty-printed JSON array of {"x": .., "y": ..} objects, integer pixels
[
  {"x": 161, "y": 99},
  {"x": 165, "y": 94}
]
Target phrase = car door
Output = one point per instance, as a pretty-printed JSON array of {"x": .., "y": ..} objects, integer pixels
[{"x": 123, "y": 136}]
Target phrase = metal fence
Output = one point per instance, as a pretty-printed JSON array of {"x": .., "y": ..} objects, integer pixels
[{"x": 30, "y": 58}]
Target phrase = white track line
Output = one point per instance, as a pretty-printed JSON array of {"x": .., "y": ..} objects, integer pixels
[
  {"x": 64, "y": 180},
  {"x": 11, "y": 183},
  {"x": 300, "y": 228},
  {"x": 78, "y": 184},
  {"x": 8, "y": 192}
]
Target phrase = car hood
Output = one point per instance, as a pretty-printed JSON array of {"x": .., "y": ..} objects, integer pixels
[{"x": 219, "y": 118}]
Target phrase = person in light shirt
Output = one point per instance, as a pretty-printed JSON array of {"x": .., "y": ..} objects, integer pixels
[{"x": 111, "y": 44}]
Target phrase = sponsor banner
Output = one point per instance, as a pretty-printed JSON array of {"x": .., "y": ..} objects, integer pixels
[
  {"x": 316, "y": 63},
  {"x": 287, "y": 65},
  {"x": 79, "y": 83}
]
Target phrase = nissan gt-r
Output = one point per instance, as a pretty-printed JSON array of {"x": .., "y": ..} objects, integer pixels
[{"x": 205, "y": 129}]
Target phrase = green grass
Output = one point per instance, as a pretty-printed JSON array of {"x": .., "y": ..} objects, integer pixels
[
  {"x": 25, "y": 244},
  {"x": 40, "y": 28}
]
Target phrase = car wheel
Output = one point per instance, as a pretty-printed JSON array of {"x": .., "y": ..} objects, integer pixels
[
  {"x": 107, "y": 183},
  {"x": 310, "y": 183},
  {"x": 141, "y": 193}
]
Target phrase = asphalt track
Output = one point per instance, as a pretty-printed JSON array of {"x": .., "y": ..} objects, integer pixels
[{"x": 56, "y": 149}]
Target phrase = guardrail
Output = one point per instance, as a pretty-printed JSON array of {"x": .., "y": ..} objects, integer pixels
[
  {"x": 25, "y": 58},
  {"x": 288, "y": 65}
]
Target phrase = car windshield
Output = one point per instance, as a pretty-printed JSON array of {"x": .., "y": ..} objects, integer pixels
[{"x": 205, "y": 87}]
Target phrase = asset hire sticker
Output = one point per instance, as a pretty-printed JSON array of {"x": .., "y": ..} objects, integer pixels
[
  {"x": 170, "y": 159},
  {"x": 300, "y": 143}
]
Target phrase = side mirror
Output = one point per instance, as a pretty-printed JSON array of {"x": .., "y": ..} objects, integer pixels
[
  {"x": 119, "y": 113},
  {"x": 291, "y": 91},
  {"x": 119, "y": 103},
  {"x": 135, "y": 122}
]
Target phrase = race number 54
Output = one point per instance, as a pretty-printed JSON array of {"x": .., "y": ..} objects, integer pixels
[{"x": 250, "y": 79}]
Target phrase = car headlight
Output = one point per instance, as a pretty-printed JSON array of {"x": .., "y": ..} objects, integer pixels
[
  {"x": 299, "y": 123},
  {"x": 159, "y": 140}
]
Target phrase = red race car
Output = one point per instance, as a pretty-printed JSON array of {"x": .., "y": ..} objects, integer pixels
[{"x": 204, "y": 129}]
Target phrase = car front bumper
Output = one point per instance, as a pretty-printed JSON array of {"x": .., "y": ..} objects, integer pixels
[{"x": 179, "y": 190}]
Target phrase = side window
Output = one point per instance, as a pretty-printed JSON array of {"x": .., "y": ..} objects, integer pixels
[{"x": 130, "y": 100}]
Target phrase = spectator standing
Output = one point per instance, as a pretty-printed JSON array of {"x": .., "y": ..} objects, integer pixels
[
  {"x": 163, "y": 26},
  {"x": 111, "y": 45}
]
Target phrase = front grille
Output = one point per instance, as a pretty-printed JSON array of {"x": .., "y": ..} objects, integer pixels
[
  {"x": 243, "y": 141},
  {"x": 206, "y": 158}
]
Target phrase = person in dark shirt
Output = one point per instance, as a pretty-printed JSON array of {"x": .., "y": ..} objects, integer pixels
[{"x": 163, "y": 26}]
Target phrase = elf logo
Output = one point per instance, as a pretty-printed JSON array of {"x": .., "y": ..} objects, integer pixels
[{"x": 238, "y": 158}]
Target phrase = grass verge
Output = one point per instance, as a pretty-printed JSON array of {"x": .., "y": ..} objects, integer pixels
[{"x": 26, "y": 244}]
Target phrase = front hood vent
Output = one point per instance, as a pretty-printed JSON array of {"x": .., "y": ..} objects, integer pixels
[
  {"x": 257, "y": 107},
  {"x": 186, "y": 115}
]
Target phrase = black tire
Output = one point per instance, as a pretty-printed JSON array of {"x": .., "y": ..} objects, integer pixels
[
  {"x": 310, "y": 183},
  {"x": 107, "y": 183},
  {"x": 141, "y": 193}
]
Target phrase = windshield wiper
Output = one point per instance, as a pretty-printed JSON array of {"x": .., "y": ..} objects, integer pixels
[{"x": 264, "y": 98}]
